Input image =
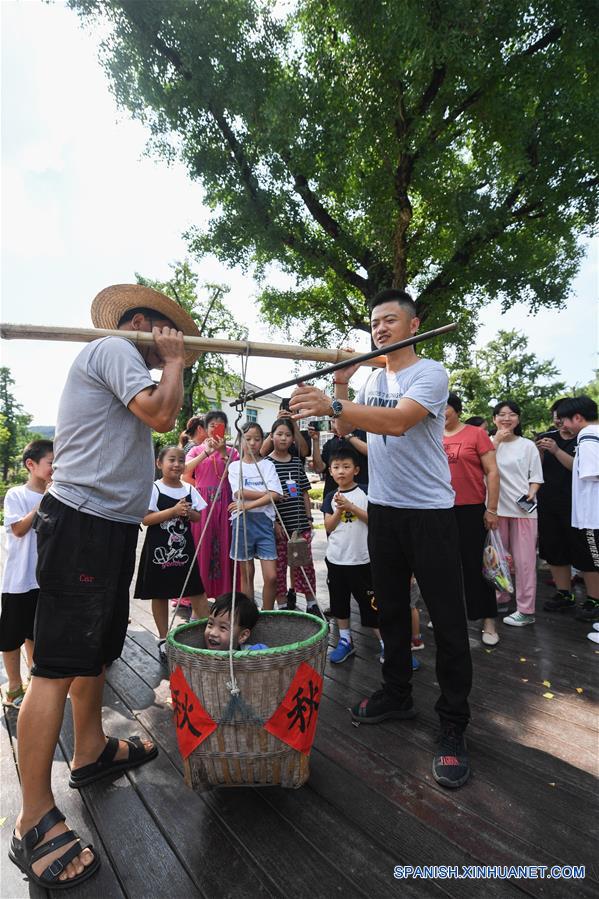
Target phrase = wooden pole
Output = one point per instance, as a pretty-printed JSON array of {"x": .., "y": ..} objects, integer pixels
[{"x": 202, "y": 344}]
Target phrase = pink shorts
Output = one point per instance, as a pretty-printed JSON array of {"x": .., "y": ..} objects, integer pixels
[{"x": 299, "y": 582}]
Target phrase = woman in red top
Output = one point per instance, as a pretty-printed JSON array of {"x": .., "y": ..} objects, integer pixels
[{"x": 471, "y": 457}]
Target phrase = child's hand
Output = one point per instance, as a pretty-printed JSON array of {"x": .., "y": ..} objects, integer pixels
[
  {"x": 342, "y": 502},
  {"x": 181, "y": 509},
  {"x": 232, "y": 507}
]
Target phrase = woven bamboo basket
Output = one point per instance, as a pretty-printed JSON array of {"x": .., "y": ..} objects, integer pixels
[{"x": 241, "y": 752}]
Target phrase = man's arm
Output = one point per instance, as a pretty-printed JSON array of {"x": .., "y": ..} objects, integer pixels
[
  {"x": 159, "y": 406},
  {"x": 309, "y": 401}
]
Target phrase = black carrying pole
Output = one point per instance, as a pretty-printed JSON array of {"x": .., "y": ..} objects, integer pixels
[{"x": 318, "y": 373}]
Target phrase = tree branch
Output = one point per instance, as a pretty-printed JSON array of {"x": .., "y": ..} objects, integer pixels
[
  {"x": 434, "y": 86},
  {"x": 550, "y": 37},
  {"x": 329, "y": 224},
  {"x": 257, "y": 197}
]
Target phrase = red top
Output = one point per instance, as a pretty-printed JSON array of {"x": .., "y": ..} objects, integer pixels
[{"x": 464, "y": 450}]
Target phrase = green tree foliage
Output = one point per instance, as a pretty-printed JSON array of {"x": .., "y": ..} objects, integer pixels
[
  {"x": 451, "y": 147},
  {"x": 211, "y": 374},
  {"x": 591, "y": 389},
  {"x": 505, "y": 369},
  {"x": 14, "y": 423}
]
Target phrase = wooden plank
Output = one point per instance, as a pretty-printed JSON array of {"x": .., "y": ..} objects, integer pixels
[
  {"x": 277, "y": 845},
  {"x": 138, "y": 851},
  {"x": 494, "y": 794},
  {"x": 410, "y": 841},
  {"x": 503, "y": 796},
  {"x": 531, "y": 735},
  {"x": 348, "y": 845},
  {"x": 13, "y": 883}
]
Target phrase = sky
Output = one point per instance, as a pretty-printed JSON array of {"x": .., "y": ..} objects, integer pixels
[{"x": 83, "y": 207}]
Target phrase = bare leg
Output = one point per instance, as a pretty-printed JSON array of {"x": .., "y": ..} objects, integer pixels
[
  {"x": 38, "y": 728},
  {"x": 199, "y": 606},
  {"x": 591, "y": 582},
  {"x": 269, "y": 589},
  {"x": 415, "y": 622},
  {"x": 90, "y": 740},
  {"x": 12, "y": 664},
  {"x": 490, "y": 625},
  {"x": 562, "y": 575},
  {"x": 247, "y": 578},
  {"x": 29, "y": 653},
  {"x": 160, "y": 613}
]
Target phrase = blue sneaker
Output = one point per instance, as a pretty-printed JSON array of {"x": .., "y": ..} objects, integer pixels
[
  {"x": 415, "y": 663},
  {"x": 343, "y": 650}
]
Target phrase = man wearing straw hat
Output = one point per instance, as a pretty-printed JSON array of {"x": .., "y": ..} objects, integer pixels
[{"x": 87, "y": 527}]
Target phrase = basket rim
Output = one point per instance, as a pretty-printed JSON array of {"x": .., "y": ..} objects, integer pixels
[{"x": 249, "y": 653}]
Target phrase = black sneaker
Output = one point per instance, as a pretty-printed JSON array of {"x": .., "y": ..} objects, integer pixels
[
  {"x": 380, "y": 706},
  {"x": 315, "y": 609},
  {"x": 561, "y": 602},
  {"x": 588, "y": 611},
  {"x": 291, "y": 600},
  {"x": 451, "y": 766}
]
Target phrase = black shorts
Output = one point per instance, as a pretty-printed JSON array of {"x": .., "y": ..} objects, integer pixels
[
  {"x": 586, "y": 549},
  {"x": 84, "y": 569},
  {"x": 347, "y": 580},
  {"x": 556, "y": 536},
  {"x": 16, "y": 619}
]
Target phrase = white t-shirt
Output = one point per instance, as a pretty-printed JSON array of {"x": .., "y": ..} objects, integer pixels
[
  {"x": 21, "y": 552},
  {"x": 348, "y": 543},
  {"x": 585, "y": 480},
  {"x": 254, "y": 476},
  {"x": 197, "y": 502},
  {"x": 519, "y": 465}
]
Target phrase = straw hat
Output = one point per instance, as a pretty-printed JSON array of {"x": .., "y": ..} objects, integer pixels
[{"x": 111, "y": 304}]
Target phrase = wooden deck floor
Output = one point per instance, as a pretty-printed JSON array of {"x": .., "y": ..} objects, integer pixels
[{"x": 371, "y": 802}]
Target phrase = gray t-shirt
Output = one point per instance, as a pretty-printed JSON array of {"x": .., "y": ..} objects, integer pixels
[
  {"x": 411, "y": 471},
  {"x": 103, "y": 454}
]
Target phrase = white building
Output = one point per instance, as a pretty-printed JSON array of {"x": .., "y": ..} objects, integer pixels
[{"x": 263, "y": 410}]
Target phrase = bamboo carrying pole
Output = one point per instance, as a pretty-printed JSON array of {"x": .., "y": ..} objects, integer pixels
[{"x": 202, "y": 344}]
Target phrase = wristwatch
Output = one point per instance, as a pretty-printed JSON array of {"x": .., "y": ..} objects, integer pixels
[{"x": 336, "y": 408}]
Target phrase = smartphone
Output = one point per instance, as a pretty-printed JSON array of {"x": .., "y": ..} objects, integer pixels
[
  {"x": 218, "y": 431},
  {"x": 285, "y": 403},
  {"x": 527, "y": 505},
  {"x": 541, "y": 434}
]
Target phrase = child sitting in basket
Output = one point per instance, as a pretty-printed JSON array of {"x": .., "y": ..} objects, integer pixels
[{"x": 218, "y": 629}]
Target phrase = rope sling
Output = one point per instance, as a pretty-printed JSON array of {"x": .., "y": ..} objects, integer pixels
[{"x": 236, "y": 708}]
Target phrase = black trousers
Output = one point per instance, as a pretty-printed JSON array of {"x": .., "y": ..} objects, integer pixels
[
  {"x": 481, "y": 601},
  {"x": 423, "y": 542}
]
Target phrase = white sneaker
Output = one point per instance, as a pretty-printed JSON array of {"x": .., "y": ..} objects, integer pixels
[
  {"x": 518, "y": 619},
  {"x": 594, "y": 636},
  {"x": 596, "y": 625}
]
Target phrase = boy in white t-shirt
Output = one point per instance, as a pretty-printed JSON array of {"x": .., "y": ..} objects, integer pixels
[
  {"x": 579, "y": 415},
  {"x": 20, "y": 588},
  {"x": 347, "y": 560}
]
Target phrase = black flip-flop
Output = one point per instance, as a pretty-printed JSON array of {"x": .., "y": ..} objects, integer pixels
[
  {"x": 26, "y": 851},
  {"x": 106, "y": 763}
]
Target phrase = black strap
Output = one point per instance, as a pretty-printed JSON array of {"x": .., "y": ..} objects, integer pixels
[
  {"x": 55, "y": 843},
  {"x": 33, "y": 836}
]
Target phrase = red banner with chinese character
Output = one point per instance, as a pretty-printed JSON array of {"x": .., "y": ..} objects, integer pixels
[
  {"x": 294, "y": 722},
  {"x": 192, "y": 721}
]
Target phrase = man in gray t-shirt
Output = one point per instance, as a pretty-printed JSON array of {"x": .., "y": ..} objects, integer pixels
[
  {"x": 87, "y": 526},
  {"x": 411, "y": 524}
]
